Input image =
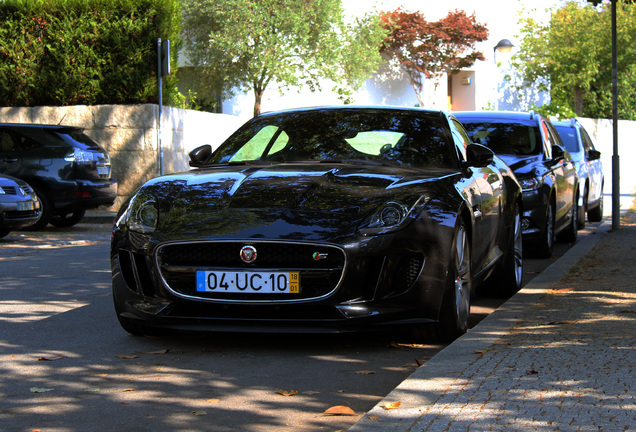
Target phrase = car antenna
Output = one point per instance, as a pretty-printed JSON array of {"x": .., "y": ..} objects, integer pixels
[{"x": 61, "y": 120}]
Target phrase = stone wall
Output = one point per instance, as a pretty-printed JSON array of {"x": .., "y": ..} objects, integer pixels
[{"x": 129, "y": 133}]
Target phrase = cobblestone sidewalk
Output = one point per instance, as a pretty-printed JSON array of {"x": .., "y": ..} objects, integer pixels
[{"x": 567, "y": 364}]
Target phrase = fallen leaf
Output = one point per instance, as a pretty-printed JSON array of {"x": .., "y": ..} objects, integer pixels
[
  {"x": 563, "y": 290},
  {"x": 391, "y": 405},
  {"x": 418, "y": 363},
  {"x": 531, "y": 372},
  {"x": 562, "y": 322},
  {"x": 287, "y": 392},
  {"x": 396, "y": 345},
  {"x": 365, "y": 372},
  {"x": 199, "y": 413},
  {"x": 339, "y": 410},
  {"x": 128, "y": 390},
  {"x": 40, "y": 390},
  {"x": 481, "y": 351},
  {"x": 52, "y": 358},
  {"x": 128, "y": 356},
  {"x": 213, "y": 400},
  {"x": 165, "y": 351},
  {"x": 374, "y": 418}
]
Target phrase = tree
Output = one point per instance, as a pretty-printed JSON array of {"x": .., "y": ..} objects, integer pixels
[
  {"x": 570, "y": 57},
  {"x": 250, "y": 44},
  {"x": 424, "y": 49},
  {"x": 74, "y": 52}
]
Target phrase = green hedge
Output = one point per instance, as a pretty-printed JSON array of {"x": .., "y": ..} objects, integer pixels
[{"x": 84, "y": 52}]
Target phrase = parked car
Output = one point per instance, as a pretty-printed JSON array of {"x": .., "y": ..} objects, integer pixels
[
  {"x": 323, "y": 219},
  {"x": 588, "y": 166},
  {"x": 19, "y": 206},
  {"x": 68, "y": 171},
  {"x": 530, "y": 145}
]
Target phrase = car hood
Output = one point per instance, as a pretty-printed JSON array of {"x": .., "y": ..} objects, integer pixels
[
  {"x": 522, "y": 166},
  {"x": 301, "y": 201}
]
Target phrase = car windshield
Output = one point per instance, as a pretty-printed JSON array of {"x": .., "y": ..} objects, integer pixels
[
  {"x": 387, "y": 137},
  {"x": 505, "y": 137},
  {"x": 568, "y": 137}
]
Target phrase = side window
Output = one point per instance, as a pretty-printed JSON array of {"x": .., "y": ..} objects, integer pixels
[
  {"x": 460, "y": 138},
  {"x": 7, "y": 145},
  {"x": 548, "y": 139},
  {"x": 587, "y": 142}
]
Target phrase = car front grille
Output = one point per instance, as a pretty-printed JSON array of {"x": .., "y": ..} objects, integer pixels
[
  {"x": 320, "y": 267},
  {"x": 9, "y": 190}
]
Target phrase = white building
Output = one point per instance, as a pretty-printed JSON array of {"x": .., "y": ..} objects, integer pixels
[{"x": 479, "y": 87}]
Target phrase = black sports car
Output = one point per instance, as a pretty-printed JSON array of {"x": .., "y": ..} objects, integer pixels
[{"x": 322, "y": 219}]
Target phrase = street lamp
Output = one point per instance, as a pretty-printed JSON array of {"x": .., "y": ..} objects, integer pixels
[{"x": 503, "y": 46}]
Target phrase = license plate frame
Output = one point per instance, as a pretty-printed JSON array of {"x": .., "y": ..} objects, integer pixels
[
  {"x": 248, "y": 282},
  {"x": 26, "y": 205}
]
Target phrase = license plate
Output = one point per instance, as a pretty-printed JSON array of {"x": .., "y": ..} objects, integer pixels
[
  {"x": 26, "y": 206},
  {"x": 248, "y": 282},
  {"x": 102, "y": 170}
]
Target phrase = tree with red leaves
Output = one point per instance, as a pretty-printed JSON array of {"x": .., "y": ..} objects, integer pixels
[{"x": 424, "y": 49}]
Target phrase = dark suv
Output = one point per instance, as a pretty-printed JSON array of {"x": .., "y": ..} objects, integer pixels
[
  {"x": 69, "y": 172},
  {"x": 531, "y": 146}
]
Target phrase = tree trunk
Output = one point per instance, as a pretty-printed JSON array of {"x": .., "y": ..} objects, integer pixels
[
  {"x": 578, "y": 101},
  {"x": 258, "y": 98}
]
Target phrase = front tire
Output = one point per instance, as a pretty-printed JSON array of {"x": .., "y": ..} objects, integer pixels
[
  {"x": 508, "y": 276},
  {"x": 67, "y": 220},
  {"x": 545, "y": 245},
  {"x": 46, "y": 211},
  {"x": 455, "y": 308},
  {"x": 596, "y": 214},
  {"x": 570, "y": 234}
]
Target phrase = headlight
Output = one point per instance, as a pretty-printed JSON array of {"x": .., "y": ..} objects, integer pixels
[
  {"x": 142, "y": 214},
  {"x": 392, "y": 216},
  {"x": 529, "y": 183}
]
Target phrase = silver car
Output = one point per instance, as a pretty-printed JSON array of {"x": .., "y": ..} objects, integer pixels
[
  {"x": 588, "y": 166},
  {"x": 19, "y": 205}
]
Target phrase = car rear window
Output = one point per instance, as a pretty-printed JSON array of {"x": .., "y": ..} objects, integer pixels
[
  {"x": 568, "y": 136},
  {"x": 505, "y": 137}
]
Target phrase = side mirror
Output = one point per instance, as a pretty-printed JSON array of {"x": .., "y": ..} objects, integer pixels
[
  {"x": 479, "y": 155},
  {"x": 594, "y": 155},
  {"x": 557, "y": 153},
  {"x": 200, "y": 155}
]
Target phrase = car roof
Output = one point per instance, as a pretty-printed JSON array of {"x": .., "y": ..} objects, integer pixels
[
  {"x": 573, "y": 123},
  {"x": 369, "y": 108},
  {"x": 56, "y": 128},
  {"x": 503, "y": 115}
]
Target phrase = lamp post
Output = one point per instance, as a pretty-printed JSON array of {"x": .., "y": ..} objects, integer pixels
[{"x": 503, "y": 46}]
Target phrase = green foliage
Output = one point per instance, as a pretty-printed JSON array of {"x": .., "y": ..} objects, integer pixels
[
  {"x": 67, "y": 52},
  {"x": 250, "y": 44},
  {"x": 554, "y": 111},
  {"x": 571, "y": 58}
]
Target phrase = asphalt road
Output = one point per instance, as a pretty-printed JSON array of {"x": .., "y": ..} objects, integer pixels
[{"x": 66, "y": 364}]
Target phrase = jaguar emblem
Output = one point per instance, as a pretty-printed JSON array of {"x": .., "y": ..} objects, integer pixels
[{"x": 248, "y": 254}]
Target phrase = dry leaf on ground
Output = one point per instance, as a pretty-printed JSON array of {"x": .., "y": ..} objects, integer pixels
[
  {"x": 340, "y": 410},
  {"x": 287, "y": 392},
  {"x": 365, "y": 372},
  {"x": 391, "y": 405},
  {"x": 51, "y": 358}
]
